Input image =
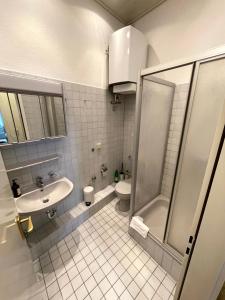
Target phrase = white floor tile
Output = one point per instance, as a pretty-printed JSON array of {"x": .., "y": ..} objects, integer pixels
[
  {"x": 145, "y": 272},
  {"x": 112, "y": 277},
  {"x": 126, "y": 278},
  {"x": 99, "y": 275},
  {"x": 106, "y": 268},
  {"x": 85, "y": 274},
  {"x": 140, "y": 280},
  {"x": 77, "y": 282},
  {"x": 90, "y": 284},
  {"x": 154, "y": 282},
  {"x": 163, "y": 292},
  {"x": 141, "y": 296},
  {"x": 81, "y": 292},
  {"x": 144, "y": 257},
  {"x": 119, "y": 269},
  {"x": 57, "y": 296},
  {"x": 63, "y": 280},
  {"x": 119, "y": 287},
  {"x": 96, "y": 294},
  {"x": 138, "y": 264},
  {"x": 94, "y": 267},
  {"x": 159, "y": 273},
  {"x": 99, "y": 260},
  {"x": 156, "y": 297},
  {"x": 104, "y": 285},
  {"x": 81, "y": 265},
  {"x": 126, "y": 296},
  {"x": 133, "y": 289},
  {"x": 148, "y": 290},
  {"x": 52, "y": 289},
  {"x": 151, "y": 265},
  {"x": 132, "y": 271},
  {"x": 49, "y": 278},
  {"x": 73, "y": 272},
  {"x": 111, "y": 295},
  {"x": 67, "y": 291}
]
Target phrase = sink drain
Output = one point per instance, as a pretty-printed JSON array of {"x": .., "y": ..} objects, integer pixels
[{"x": 45, "y": 200}]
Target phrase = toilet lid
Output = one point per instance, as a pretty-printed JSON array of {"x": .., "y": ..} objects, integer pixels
[{"x": 123, "y": 187}]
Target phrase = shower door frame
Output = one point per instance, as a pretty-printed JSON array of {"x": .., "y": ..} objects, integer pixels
[
  {"x": 211, "y": 167},
  {"x": 171, "y": 85},
  {"x": 214, "y": 54}
]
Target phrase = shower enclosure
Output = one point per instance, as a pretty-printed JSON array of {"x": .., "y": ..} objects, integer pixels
[{"x": 178, "y": 110}]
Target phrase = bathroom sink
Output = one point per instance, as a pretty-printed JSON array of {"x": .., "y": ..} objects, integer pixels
[{"x": 37, "y": 201}]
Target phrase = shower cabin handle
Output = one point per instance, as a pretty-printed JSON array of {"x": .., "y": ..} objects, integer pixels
[{"x": 190, "y": 241}]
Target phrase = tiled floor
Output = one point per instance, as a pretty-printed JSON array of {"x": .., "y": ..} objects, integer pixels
[{"x": 99, "y": 260}]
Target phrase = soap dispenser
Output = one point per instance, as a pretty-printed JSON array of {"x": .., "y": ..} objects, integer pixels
[{"x": 16, "y": 189}]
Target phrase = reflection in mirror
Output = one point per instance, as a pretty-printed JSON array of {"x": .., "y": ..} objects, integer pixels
[
  {"x": 59, "y": 116},
  {"x": 7, "y": 127},
  {"x": 45, "y": 118},
  {"x": 32, "y": 117},
  {"x": 53, "y": 115},
  {"x": 164, "y": 102},
  {"x": 17, "y": 117}
]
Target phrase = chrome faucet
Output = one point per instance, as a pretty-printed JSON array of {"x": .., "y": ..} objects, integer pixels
[
  {"x": 40, "y": 182},
  {"x": 52, "y": 174}
]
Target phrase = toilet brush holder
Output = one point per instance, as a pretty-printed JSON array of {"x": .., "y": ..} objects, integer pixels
[{"x": 88, "y": 195}]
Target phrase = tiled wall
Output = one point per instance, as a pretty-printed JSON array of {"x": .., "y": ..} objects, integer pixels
[
  {"x": 162, "y": 256},
  {"x": 129, "y": 125},
  {"x": 90, "y": 119},
  {"x": 175, "y": 131}
]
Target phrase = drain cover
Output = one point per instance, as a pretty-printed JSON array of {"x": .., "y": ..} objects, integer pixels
[{"x": 45, "y": 200}]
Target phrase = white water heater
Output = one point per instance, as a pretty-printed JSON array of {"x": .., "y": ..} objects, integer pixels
[{"x": 127, "y": 55}]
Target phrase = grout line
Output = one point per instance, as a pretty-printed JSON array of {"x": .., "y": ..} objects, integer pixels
[{"x": 85, "y": 227}]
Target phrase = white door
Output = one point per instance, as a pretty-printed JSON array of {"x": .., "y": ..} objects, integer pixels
[
  {"x": 193, "y": 270},
  {"x": 17, "y": 276},
  {"x": 206, "y": 270}
]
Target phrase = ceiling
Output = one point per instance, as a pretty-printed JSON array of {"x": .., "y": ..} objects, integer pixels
[{"x": 129, "y": 11}]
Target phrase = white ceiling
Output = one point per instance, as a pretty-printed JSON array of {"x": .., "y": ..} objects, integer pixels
[{"x": 128, "y": 11}]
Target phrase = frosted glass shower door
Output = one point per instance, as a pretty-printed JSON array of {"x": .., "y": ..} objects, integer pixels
[
  {"x": 157, "y": 99},
  {"x": 208, "y": 100}
]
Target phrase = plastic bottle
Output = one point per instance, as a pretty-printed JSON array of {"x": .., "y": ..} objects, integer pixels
[{"x": 16, "y": 189}]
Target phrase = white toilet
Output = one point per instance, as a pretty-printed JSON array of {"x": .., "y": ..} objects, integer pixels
[{"x": 123, "y": 191}]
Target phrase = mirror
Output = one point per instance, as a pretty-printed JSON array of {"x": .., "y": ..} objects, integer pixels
[
  {"x": 53, "y": 115},
  {"x": 27, "y": 117},
  {"x": 7, "y": 126}
]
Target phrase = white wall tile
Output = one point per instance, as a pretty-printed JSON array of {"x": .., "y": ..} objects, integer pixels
[{"x": 90, "y": 119}]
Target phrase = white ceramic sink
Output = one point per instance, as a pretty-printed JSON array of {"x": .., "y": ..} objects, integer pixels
[{"x": 37, "y": 201}]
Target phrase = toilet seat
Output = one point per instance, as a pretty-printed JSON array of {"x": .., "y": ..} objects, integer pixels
[{"x": 123, "y": 187}]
